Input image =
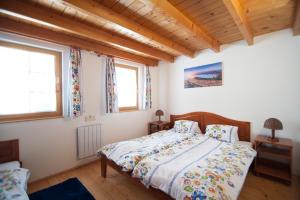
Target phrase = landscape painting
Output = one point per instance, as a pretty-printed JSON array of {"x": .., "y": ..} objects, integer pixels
[{"x": 203, "y": 76}]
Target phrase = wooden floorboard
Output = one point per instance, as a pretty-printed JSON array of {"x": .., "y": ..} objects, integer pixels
[{"x": 118, "y": 187}]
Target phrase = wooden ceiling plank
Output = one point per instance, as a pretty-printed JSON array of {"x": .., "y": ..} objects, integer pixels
[
  {"x": 182, "y": 19},
  {"x": 110, "y": 3},
  {"x": 132, "y": 8},
  {"x": 176, "y": 2},
  {"x": 121, "y": 5},
  {"x": 21, "y": 28},
  {"x": 236, "y": 11},
  {"x": 296, "y": 21},
  {"x": 101, "y": 11},
  {"x": 142, "y": 12},
  {"x": 71, "y": 25}
]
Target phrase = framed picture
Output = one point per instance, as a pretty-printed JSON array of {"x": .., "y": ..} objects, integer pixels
[{"x": 203, "y": 76}]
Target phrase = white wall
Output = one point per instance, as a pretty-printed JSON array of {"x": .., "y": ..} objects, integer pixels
[
  {"x": 49, "y": 146},
  {"x": 260, "y": 81}
]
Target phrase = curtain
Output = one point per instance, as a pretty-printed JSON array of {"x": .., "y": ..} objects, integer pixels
[
  {"x": 147, "y": 103},
  {"x": 111, "y": 94},
  {"x": 74, "y": 92}
]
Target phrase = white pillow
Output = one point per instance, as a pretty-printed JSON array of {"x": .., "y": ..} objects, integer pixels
[
  {"x": 222, "y": 132},
  {"x": 10, "y": 165},
  {"x": 21, "y": 173},
  {"x": 235, "y": 135},
  {"x": 186, "y": 126},
  {"x": 12, "y": 184}
]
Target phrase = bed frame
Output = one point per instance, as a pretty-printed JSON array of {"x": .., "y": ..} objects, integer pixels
[
  {"x": 203, "y": 119},
  {"x": 206, "y": 118},
  {"x": 9, "y": 151}
]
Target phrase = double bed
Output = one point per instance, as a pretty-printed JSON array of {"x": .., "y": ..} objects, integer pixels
[{"x": 176, "y": 165}]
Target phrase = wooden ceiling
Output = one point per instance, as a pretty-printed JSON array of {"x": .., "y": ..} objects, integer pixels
[{"x": 147, "y": 31}]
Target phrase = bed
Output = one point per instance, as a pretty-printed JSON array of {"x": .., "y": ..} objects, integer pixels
[
  {"x": 13, "y": 178},
  {"x": 195, "y": 166}
]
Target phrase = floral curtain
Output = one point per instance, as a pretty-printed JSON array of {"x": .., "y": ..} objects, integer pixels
[
  {"x": 147, "y": 103},
  {"x": 111, "y": 94},
  {"x": 75, "y": 99}
]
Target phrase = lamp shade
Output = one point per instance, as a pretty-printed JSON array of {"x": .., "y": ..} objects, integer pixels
[
  {"x": 159, "y": 113},
  {"x": 273, "y": 123}
]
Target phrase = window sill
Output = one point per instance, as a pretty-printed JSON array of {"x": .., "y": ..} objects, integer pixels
[
  {"x": 128, "y": 109},
  {"x": 132, "y": 110},
  {"x": 20, "y": 119}
]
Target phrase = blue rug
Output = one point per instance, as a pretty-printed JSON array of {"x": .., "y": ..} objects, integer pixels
[{"x": 71, "y": 189}]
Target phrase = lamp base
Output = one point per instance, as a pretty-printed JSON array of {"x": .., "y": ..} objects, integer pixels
[{"x": 273, "y": 139}]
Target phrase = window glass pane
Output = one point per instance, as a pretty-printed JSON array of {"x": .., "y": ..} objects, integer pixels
[
  {"x": 27, "y": 82},
  {"x": 127, "y": 86}
]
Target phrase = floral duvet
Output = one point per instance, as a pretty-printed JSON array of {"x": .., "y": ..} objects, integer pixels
[
  {"x": 128, "y": 153},
  {"x": 197, "y": 168}
]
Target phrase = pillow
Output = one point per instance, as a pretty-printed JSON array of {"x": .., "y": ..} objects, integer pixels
[
  {"x": 186, "y": 126},
  {"x": 21, "y": 173},
  {"x": 223, "y": 133},
  {"x": 10, "y": 165},
  {"x": 235, "y": 135},
  {"x": 12, "y": 184}
]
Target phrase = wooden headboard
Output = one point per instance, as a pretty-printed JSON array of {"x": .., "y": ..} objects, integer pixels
[
  {"x": 9, "y": 150},
  {"x": 206, "y": 118}
]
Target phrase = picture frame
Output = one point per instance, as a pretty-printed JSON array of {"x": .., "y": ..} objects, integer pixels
[{"x": 208, "y": 75}]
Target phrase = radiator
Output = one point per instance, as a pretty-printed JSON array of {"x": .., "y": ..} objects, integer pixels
[{"x": 88, "y": 140}]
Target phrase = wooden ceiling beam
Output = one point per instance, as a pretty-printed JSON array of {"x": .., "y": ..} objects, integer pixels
[
  {"x": 182, "y": 19},
  {"x": 99, "y": 10},
  {"x": 45, "y": 15},
  {"x": 296, "y": 21},
  {"x": 237, "y": 13},
  {"x": 29, "y": 30}
]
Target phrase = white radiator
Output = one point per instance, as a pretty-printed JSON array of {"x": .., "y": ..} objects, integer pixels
[{"x": 88, "y": 140}]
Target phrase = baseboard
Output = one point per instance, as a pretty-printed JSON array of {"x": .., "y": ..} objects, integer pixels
[{"x": 66, "y": 170}]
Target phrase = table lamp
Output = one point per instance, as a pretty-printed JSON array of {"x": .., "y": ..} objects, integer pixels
[
  {"x": 159, "y": 113},
  {"x": 273, "y": 124}
]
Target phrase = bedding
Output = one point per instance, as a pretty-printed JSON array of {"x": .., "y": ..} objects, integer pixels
[
  {"x": 10, "y": 165},
  {"x": 248, "y": 144},
  {"x": 186, "y": 126},
  {"x": 222, "y": 132},
  {"x": 13, "y": 182},
  {"x": 198, "y": 168},
  {"x": 128, "y": 153}
]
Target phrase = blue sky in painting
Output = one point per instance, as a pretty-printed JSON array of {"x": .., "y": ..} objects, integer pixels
[{"x": 204, "y": 68}]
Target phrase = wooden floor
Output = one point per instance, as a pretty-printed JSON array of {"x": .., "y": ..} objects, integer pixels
[{"x": 118, "y": 187}]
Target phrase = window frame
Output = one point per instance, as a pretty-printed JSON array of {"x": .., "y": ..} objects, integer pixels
[
  {"x": 131, "y": 108},
  {"x": 58, "y": 82}
]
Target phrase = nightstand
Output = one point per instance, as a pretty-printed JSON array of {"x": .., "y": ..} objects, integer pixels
[
  {"x": 158, "y": 126},
  {"x": 274, "y": 158}
]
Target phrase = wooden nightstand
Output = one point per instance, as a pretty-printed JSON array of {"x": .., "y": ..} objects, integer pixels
[
  {"x": 274, "y": 158},
  {"x": 158, "y": 126}
]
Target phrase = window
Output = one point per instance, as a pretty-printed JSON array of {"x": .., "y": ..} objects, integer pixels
[
  {"x": 127, "y": 82},
  {"x": 30, "y": 83}
]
